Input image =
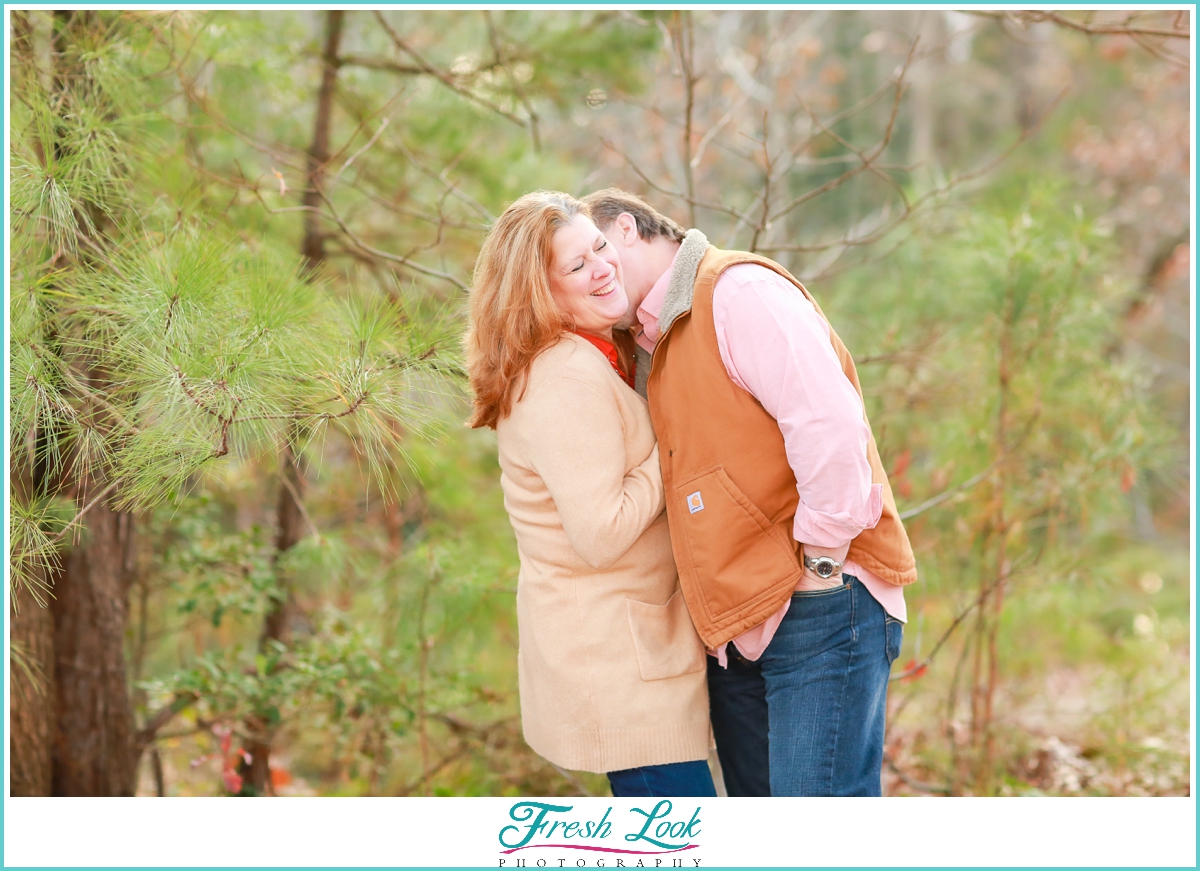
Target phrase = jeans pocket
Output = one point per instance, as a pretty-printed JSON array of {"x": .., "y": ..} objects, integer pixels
[
  {"x": 814, "y": 594},
  {"x": 895, "y": 634}
]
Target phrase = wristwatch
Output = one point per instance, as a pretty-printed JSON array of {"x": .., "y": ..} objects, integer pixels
[{"x": 824, "y": 566}]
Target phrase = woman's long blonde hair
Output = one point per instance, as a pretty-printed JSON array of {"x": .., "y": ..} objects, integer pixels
[{"x": 513, "y": 316}]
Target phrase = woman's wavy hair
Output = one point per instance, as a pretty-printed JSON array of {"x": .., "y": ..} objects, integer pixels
[{"x": 513, "y": 316}]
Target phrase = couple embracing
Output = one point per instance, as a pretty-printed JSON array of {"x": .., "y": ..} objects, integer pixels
[{"x": 709, "y": 546}]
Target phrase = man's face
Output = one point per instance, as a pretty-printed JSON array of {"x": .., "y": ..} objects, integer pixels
[{"x": 632, "y": 252}]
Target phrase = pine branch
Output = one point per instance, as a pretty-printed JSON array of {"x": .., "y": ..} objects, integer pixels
[
  {"x": 58, "y": 536},
  {"x": 86, "y": 393}
]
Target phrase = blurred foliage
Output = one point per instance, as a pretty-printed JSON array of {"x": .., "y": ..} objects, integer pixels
[
  {"x": 1008, "y": 270},
  {"x": 1002, "y": 328}
]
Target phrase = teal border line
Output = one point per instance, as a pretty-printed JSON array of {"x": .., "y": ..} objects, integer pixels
[
  {"x": 530, "y": 5},
  {"x": 655, "y": 4}
]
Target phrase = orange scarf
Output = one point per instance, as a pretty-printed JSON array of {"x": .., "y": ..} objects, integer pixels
[{"x": 609, "y": 350}]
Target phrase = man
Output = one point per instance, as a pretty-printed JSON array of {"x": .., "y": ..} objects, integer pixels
[{"x": 791, "y": 554}]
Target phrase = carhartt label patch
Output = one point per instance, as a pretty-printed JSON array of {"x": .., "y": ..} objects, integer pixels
[{"x": 695, "y": 503}]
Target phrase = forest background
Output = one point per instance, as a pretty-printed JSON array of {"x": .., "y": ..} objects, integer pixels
[{"x": 253, "y": 550}]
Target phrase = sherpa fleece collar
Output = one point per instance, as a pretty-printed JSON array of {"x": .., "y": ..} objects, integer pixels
[{"x": 678, "y": 299}]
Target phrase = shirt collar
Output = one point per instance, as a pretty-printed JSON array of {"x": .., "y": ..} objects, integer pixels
[{"x": 651, "y": 307}]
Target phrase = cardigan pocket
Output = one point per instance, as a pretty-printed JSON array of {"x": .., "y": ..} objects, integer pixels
[{"x": 664, "y": 638}]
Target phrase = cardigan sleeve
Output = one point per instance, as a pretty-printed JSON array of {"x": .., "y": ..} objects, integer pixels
[{"x": 575, "y": 440}]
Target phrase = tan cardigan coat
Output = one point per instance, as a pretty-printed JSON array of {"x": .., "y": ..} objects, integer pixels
[{"x": 611, "y": 671}]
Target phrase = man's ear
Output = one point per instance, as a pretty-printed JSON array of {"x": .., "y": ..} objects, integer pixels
[{"x": 627, "y": 226}]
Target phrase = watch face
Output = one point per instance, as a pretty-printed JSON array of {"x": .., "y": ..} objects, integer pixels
[{"x": 824, "y": 567}]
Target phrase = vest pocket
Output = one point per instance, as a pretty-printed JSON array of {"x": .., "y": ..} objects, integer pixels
[
  {"x": 733, "y": 551},
  {"x": 664, "y": 638}
]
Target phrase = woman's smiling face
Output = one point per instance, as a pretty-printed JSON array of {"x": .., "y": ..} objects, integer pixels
[{"x": 585, "y": 277}]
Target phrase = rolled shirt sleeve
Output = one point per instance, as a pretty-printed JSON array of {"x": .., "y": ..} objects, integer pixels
[{"x": 776, "y": 347}]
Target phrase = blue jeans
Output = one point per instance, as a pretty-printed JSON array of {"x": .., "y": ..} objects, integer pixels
[
  {"x": 807, "y": 718},
  {"x": 673, "y": 780}
]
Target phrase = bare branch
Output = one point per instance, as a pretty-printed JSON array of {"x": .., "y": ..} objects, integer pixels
[
  {"x": 716, "y": 207},
  {"x": 149, "y": 732},
  {"x": 310, "y": 417},
  {"x": 828, "y": 270},
  {"x": 374, "y": 136},
  {"x": 683, "y": 41},
  {"x": 444, "y": 77},
  {"x": 977, "y": 602},
  {"x": 440, "y": 177},
  {"x": 1025, "y": 19},
  {"x": 1180, "y": 61},
  {"x": 381, "y": 63},
  {"x": 291, "y": 488},
  {"x": 937, "y": 192},
  {"x": 764, "y": 221},
  {"x": 866, "y": 160},
  {"x": 856, "y": 108},
  {"x": 716, "y": 128},
  {"x": 502, "y": 61},
  {"x": 946, "y": 494},
  {"x": 936, "y": 789},
  {"x": 384, "y": 255}
]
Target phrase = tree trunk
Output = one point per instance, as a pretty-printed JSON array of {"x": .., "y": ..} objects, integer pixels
[
  {"x": 313, "y": 246},
  {"x": 31, "y": 667},
  {"x": 93, "y": 746},
  {"x": 77, "y": 739},
  {"x": 256, "y": 773},
  {"x": 31, "y": 697}
]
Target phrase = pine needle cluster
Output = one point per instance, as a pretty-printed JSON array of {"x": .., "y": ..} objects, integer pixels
[{"x": 147, "y": 344}]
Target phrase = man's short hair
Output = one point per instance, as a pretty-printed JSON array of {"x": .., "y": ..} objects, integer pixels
[{"x": 605, "y": 205}]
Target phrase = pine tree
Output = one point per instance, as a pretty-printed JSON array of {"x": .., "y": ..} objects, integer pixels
[
  {"x": 145, "y": 348},
  {"x": 162, "y": 330}
]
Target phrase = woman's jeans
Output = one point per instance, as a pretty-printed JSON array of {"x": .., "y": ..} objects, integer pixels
[
  {"x": 673, "y": 780},
  {"x": 807, "y": 718}
]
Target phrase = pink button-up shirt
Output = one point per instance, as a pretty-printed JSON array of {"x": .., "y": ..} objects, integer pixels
[{"x": 776, "y": 347}]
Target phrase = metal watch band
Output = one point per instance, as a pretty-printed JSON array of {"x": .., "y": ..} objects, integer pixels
[{"x": 824, "y": 566}]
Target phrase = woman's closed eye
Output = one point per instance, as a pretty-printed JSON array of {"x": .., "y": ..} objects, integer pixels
[{"x": 601, "y": 245}]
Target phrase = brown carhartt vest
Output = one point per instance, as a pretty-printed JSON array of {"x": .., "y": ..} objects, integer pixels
[{"x": 731, "y": 495}]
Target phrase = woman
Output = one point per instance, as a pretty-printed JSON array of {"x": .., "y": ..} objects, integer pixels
[{"x": 611, "y": 671}]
